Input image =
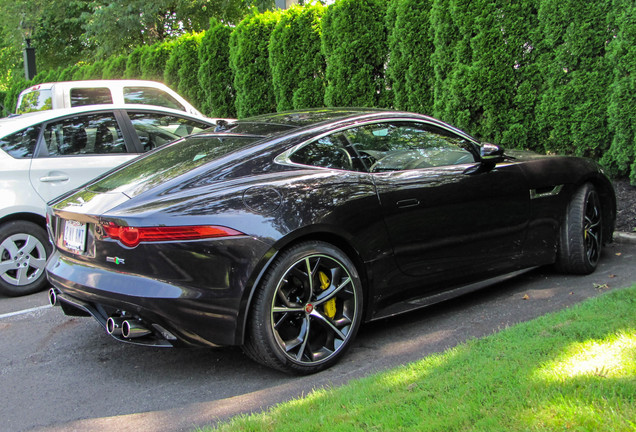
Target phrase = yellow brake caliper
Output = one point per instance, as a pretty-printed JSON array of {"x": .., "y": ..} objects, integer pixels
[{"x": 330, "y": 306}]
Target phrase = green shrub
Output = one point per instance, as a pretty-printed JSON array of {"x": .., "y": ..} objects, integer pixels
[
  {"x": 154, "y": 59},
  {"x": 115, "y": 67},
  {"x": 296, "y": 60},
  {"x": 572, "y": 111},
  {"x": 11, "y": 99},
  {"x": 53, "y": 75},
  {"x": 215, "y": 75},
  {"x": 485, "y": 68},
  {"x": 133, "y": 63},
  {"x": 4, "y": 111},
  {"x": 182, "y": 67},
  {"x": 249, "y": 60},
  {"x": 620, "y": 159},
  {"x": 410, "y": 70},
  {"x": 68, "y": 73},
  {"x": 354, "y": 42}
]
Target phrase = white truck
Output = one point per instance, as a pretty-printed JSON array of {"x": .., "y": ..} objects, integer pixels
[{"x": 67, "y": 94}]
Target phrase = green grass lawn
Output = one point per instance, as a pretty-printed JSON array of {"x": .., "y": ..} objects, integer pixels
[{"x": 574, "y": 370}]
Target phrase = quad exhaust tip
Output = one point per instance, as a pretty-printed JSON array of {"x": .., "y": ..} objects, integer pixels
[
  {"x": 53, "y": 297},
  {"x": 126, "y": 327},
  {"x": 114, "y": 326},
  {"x": 133, "y": 329}
]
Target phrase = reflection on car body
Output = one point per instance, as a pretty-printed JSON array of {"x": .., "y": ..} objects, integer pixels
[{"x": 283, "y": 233}]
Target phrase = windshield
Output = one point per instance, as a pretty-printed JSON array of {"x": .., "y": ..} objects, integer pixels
[
  {"x": 170, "y": 162},
  {"x": 36, "y": 100}
]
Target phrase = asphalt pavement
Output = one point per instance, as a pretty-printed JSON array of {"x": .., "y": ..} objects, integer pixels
[{"x": 60, "y": 373}]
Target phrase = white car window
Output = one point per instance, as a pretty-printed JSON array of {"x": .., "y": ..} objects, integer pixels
[
  {"x": 21, "y": 144},
  {"x": 85, "y": 134},
  {"x": 155, "y": 130}
]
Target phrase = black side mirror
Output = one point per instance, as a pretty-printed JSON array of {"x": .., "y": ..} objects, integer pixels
[
  {"x": 491, "y": 153},
  {"x": 489, "y": 156}
]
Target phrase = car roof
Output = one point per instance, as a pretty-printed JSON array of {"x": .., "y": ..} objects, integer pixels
[
  {"x": 292, "y": 121},
  {"x": 18, "y": 122},
  {"x": 97, "y": 83}
]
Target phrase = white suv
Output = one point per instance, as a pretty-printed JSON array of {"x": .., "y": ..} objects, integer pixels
[
  {"x": 68, "y": 94},
  {"x": 45, "y": 154}
]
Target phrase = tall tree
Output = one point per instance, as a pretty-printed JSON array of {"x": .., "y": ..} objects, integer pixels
[
  {"x": 577, "y": 76},
  {"x": 354, "y": 43},
  {"x": 410, "y": 69},
  {"x": 296, "y": 60},
  {"x": 620, "y": 159}
]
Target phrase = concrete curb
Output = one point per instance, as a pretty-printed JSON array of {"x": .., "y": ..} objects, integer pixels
[{"x": 624, "y": 237}]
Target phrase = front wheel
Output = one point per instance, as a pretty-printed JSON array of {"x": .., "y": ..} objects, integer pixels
[
  {"x": 581, "y": 233},
  {"x": 24, "y": 249},
  {"x": 306, "y": 311}
]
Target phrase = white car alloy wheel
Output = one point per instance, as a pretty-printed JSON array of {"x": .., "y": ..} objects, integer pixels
[{"x": 23, "y": 254}]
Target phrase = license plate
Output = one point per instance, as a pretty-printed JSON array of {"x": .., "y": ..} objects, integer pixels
[{"x": 75, "y": 235}]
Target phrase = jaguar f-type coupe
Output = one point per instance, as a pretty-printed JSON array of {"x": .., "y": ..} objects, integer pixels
[{"x": 283, "y": 233}]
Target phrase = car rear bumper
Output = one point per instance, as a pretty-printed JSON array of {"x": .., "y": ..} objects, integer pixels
[{"x": 174, "y": 314}]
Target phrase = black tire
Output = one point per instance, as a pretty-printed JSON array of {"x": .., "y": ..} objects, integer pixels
[
  {"x": 24, "y": 249},
  {"x": 581, "y": 233},
  {"x": 306, "y": 311}
]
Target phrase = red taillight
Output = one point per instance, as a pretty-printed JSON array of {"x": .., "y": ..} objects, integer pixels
[{"x": 132, "y": 236}]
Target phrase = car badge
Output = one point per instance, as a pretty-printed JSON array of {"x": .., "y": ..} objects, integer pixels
[{"x": 115, "y": 260}]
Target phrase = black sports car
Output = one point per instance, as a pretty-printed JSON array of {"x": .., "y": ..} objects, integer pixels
[{"x": 283, "y": 232}]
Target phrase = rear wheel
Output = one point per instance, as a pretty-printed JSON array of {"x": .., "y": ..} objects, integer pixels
[
  {"x": 24, "y": 249},
  {"x": 306, "y": 311},
  {"x": 581, "y": 233}
]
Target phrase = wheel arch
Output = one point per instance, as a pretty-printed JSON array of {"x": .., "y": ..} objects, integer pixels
[
  {"x": 326, "y": 236},
  {"x": 25, "y": 216}
]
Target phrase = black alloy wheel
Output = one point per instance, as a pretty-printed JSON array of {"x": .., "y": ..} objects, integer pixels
[
  {"x": 307, "y": 311},
  {"x": 581, "y": 234}
]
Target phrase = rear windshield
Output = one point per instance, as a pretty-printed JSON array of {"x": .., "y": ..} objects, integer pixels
[
  {"x": 151, "y": 96},
  {"x": 90, "y": 96},
  {"x": 36, "y": 100},
  {"x": 170, "y": 162}
]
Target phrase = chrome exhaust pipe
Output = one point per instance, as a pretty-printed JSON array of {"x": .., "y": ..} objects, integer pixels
[
  {"x": 53, "y": 297},
  {"x": 114, "y": 326},
  {"x": 133, "y": 329}
]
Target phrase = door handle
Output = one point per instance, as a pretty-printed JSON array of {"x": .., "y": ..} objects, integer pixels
[
  {"x": 412, "y": 202},
  {"x": 57, "y": 178}
]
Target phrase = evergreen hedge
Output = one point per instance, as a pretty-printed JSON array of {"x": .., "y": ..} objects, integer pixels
[
  {"x": 410, "y": 70},
  {"x": 354, "y": 42},
  {"x": 572, "y": 111},
  {"x": 551, "y": 75},
  {"x": 133, "y": 63},
  {"x": 215, "y": 75},
  {"x": 620, "y": 159},
  {"x": 296, "y": 60},
  {"x": 154, "y": 59},
  {"x": 249, "y": 60},
  {"x": 115, "y": 68}
]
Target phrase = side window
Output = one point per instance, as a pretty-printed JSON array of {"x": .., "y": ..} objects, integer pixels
[
  {"x": 327, "y": 152},
  {"x": 90, "y": 96},
  {"x": 155, "y": 130},
  {"x": 404, "y": 146},
  {"x": 151, "y": 96},
  {"x": 36, "y": 100},
  {"x": 21, "y": 144},
  {"x": 86, "y": 134}
]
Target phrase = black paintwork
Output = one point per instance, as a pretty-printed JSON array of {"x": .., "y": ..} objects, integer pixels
[{"x": 416, "y": 236}]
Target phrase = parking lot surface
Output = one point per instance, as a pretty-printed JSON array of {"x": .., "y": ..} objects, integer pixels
[{"x": 61, "y": 373}]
